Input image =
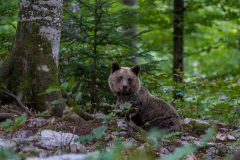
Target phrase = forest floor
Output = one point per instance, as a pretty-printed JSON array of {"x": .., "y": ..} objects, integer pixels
[{"x": 86, "y": 128}]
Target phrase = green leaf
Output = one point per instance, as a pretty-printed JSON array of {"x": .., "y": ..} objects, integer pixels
[
  {"x": 78, "y": 96},
  {"x": 56, "y": 87},
  {"x": 71, "y": 82},
  {"x": 52, "y": 88},
  {"x": 65, "y": 85},
  {"x": 72, "y": 104},
  {"x": 6, "y": 123},
  {"x": 61, "y": 100},
  {"x": 125, "y": 106},
  {"x": 238, "y": 141},
  {"x": 20, "y": 120},
  {"x": 99, "y": 131},
  {"x": 171, "y": 134}
]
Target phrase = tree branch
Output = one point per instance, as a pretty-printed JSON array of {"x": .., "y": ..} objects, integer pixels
[
  {"x": 19, "y": 102},
  {"x": 14, "y": 111},
  {"x": 4, "y": 116}
]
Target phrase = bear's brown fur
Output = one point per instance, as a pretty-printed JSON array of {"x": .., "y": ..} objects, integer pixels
[
  {"x": 124, "y": 82},
  {"x": 236, "y": 155}
]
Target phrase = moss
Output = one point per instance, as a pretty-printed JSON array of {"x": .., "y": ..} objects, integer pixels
[
  {"x": 29, "y": 51},
  {"x": 115, "y": 128},
  {"x": 200, "y": 128},
  {"x": 187, "y": 127},
  {"x": 194, "y": 128}
]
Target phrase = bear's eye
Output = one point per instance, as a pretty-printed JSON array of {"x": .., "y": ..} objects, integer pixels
[
  {"x": 129, "y": 79},
  {"x": 120, "y": 78}
]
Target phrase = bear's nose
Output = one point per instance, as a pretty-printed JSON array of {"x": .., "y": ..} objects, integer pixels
[{"x": 124, "y": 87}]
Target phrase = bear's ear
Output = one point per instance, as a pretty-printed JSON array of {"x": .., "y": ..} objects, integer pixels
[
  {"x": 115, "y": 66},
  {"x": 136, "y": 69}
]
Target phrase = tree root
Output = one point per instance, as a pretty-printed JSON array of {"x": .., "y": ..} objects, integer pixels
[
  {"x": 4, "y": 116},
  {"x": 86, "y": 116},
  {"x": 19, "y": 102}
]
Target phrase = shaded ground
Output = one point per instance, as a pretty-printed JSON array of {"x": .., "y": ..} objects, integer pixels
[
  {"x": 83, "y": 128},
  {"x": 86, "y": 127}
]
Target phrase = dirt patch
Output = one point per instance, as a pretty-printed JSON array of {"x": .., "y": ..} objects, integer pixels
[{"x": 86, "y": 127}]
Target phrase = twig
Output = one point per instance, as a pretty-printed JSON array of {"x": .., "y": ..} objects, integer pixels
[
  {"x": 4, "y": 116},
  {"x": 14, "y": 111},
  {"x": 71, "y": 138},
  {"x": 19, "y": 102}
]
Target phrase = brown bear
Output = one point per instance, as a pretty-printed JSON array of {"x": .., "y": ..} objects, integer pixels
[
  {"x": 236, "y": 155},
  {"x": 124, "y": 82}
]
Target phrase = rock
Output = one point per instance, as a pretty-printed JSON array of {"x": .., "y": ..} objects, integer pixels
[
  {"x": 98, "y": 114},
  {"x": 75, "y": 147},
  {"x": 231, "y": 138},
  {"x": 130, "y": 142},
  {"x": 212, "y": 150},
  {"x": 27, "y": 149},
  {"x": 8, "y": 144},
  {"x": 191, "y": 157},
  {"x": 185, "y": 143},
  {"x": 188, "y": 120},
  {"x": 51, "y": 139},
  {"x": 223, "y": 129},
  {"x": 197, "y": 143},
  {"x": 123, "y": 133},
  {"x": 223, "y": 137},
  {"x": 238, "y": 124},
  {"x": 216, "y": 122},
  {"x": 210, "y": 153},
  {"x": 237, "y": 136},
  {"x": 169, "y": 148},
  {"x": 37, "y": 122},
  {"x": 211, "y": 144},
  {"x": 220, "y": 137},
  {"x": 19, "y": 134},
  {"x": 123, "y": 125},
  {"x": 238, "y": 130},
  {"x": 164, "y": 151},
  {"x": 161, "y": 155},
  {"x": 43, "y": 153},
  {"x": 188, "y": 138},
  {"x": 115, "y": 133},
  {"x": 66, "y": 156},
  {"x": 185, "y": 134},
  {"x": 194, "y": 127}
]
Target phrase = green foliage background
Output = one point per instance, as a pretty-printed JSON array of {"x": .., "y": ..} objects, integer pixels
[{"x": 211, "y": 58}]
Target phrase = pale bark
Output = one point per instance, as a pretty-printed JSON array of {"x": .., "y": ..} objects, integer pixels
[{"x": 31, "y": 66}]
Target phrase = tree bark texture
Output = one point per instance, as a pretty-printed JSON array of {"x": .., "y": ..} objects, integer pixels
[
  {"x": 31, "y": 66},
  {"x": 178, "y": 33},
  {"x": 134, "y": 27}
]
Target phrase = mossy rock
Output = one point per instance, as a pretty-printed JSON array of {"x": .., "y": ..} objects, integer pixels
[
  {"x": 194, "y": 128},
  {"x": 115, "y": 128},
  {"x": 201, "y": 128},
  {"x": 187, "y": 128}
]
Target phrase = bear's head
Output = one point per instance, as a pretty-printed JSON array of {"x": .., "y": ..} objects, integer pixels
[{"x": 124, "y": 80}]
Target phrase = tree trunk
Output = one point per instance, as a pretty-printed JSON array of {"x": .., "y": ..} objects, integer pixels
[
  {"x": 134, "y": 27},
  {"x": 31, "y": 66},
  {"x": 178, "y": 41}
]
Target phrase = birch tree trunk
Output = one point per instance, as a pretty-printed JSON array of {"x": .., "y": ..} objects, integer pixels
[{"x": 31, "y": 66}]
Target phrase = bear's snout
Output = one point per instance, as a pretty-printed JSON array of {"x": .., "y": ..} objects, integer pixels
[{"x": 124, "y": 87}]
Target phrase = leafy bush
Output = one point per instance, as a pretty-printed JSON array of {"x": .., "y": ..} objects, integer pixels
[{"x": 217, "y": 99}]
